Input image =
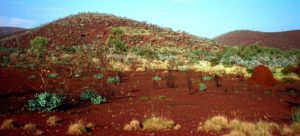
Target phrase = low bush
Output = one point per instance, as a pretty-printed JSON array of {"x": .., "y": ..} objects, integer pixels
[
  {"x": 52, "y": 75},
  {"x": 115, "y": 41},
  {"x": 45, "y": 102},
  {"x": 254, "y": 55},
  {"x": 38, "y": 45},
  {"x": 114, "y": 80},
  {"x": 202, "y": 87},
  {"x": 296, "y": 115},
  {"x": 156, "y": 78},
  {"x": 158, "y": 124},
  {"x": 98, "y": 76},
  {"x": 92, "y": 96},
  {"x": 207, "y": 78},
  {"x": 146, "y": 52},
  {"x": 4, "y": 61}
]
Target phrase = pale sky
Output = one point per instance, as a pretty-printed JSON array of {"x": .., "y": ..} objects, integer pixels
[{"x": 205, "y": 18}]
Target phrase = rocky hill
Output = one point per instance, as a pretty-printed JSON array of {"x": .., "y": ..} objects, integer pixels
[
  {"x": 4, "y": 31},
  {"x": 94, "y": 28},
  {"x": 282, "y": 40}
]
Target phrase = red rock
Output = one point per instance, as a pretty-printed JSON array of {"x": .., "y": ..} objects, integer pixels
[{"x": 262, "y": 75}]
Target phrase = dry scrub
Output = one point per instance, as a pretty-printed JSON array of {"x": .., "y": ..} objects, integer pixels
[
  {"x": 30, "y": 127},
  {"x": 236, "y": 127},
  {"x": 8, "y": 124},
  {"x": 80, "y": 128},
  {"x": 133, "y": 125},
  {"x": 152, "y": 124},
  {"x": 53, "y": 120}
]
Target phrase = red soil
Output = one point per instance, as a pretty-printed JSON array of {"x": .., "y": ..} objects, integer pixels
[
  {"x": 262, "y": 75},
  {"x": 282, "y": 40},
  {"x": 136, "y": 98}
]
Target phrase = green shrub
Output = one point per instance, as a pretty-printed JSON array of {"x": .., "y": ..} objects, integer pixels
[
  {"x": 147, "y": 52},
  {"x": 45, "y": 102},
  {"x": 92, "y": 96},
  {"x": 98, "y": 76},
  {"x": 251, "y": 56},
  {"x": 156, "y": 78},
  {"x": 70, "y": 50},
  {"x": 202, "y": 87},
  {"x": 115, "y": 41},
  {"x": 38, "y": 45},
  {"x": 296, "y": 115},
  {"x": 4, "y": 61},
  {"x": 114, "y": 80},
  {"x": 52, "y": 75},
  {"x": 207, "y": 78}
]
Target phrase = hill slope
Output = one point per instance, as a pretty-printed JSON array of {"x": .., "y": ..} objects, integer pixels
[
  {"x": 89, "y": 28},
  {"x": 282, "y": 40},
  {"x": 4, "y": 31}
]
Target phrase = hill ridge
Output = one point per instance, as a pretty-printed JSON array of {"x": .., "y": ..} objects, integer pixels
[
  {"x": 85, "y": 28},
  {"x": 283, "y": 40}
]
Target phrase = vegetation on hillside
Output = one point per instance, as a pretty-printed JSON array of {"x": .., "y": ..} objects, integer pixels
[{"x": 118, "y": 53}]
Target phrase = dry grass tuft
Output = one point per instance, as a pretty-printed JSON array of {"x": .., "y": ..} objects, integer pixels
[
  {"x": 90, "y": 126},
  {"x": 30, "y": 127},
  {"x": 177, "y": 127},
  {"x": 242, "y": 126},
  {"x": 53, "y": 120},
  {"x": 152, "y": 124},
  {"x": 286, "y": 130},
  {"x": 295, "y": 126},
  {"x": 39, "y": 132},
  {"x": 235, "y": 133},
  {"x": 158, "y": 123},
  {"x": 214, "y": 124},
  {"x": 264, "y": 129},
  {"x": 77, "y": 128},
  {"x": 238, "y": 128},
  {"x": 8, "y": 124},
  {"x": 133, "y": 125}
]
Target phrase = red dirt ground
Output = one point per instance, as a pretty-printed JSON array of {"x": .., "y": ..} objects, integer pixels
[
  {"x": 136, "y": 98},
  {"x": 282, "y": 40}
]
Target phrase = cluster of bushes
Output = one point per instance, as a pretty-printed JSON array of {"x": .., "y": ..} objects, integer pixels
[
  {"x": 251, "y": 56},
  {"x": 92, "y": 96},
  {"x": 47, "y": 102},
  {"x": 246, "y": 56}
]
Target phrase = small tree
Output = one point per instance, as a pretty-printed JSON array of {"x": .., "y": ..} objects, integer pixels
[
  {"x": 115, "y": 41},
  {"x": 38, "y": 46}
]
